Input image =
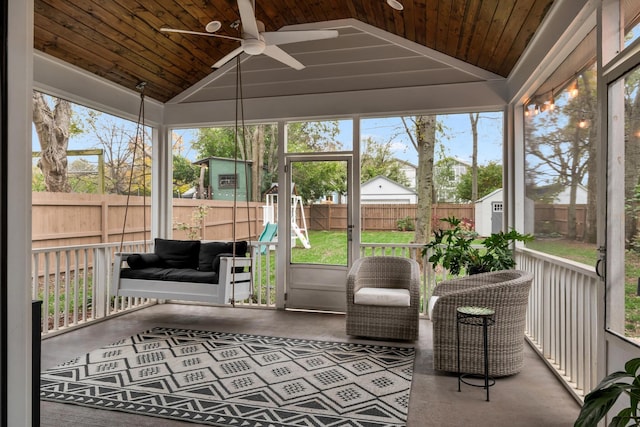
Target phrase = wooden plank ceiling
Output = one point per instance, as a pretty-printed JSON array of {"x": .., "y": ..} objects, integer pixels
[{"x": 120, "y": 39}]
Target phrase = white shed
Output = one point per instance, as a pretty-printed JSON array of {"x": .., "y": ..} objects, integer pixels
[
  {"x": 384, "y": 190},
  {"x": 489, "y": 214}
]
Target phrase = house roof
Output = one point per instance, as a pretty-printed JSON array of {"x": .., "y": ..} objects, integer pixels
[
  {"x": 391, "y": 182},
  {"x": 428, "y": 41}
]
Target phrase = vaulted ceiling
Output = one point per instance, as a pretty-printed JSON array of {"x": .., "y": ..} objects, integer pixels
[{"x": 120, "y": 41}]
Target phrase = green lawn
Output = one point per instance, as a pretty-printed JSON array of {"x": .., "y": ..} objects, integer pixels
[
  {"x": 330, "y": 247},
  {"x": 588, "y": 254},
  {"x": 576, "y": 251}
]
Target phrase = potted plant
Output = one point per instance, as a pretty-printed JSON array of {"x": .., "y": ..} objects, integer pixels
[
  {"x": 453, "y": 249},
  {"x": 602, "y": 398}
]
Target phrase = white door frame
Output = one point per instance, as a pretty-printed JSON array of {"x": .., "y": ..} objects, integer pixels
[{"x": 316, "y": 286}]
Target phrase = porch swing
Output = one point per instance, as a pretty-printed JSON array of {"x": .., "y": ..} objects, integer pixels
[{"x": 216, "y": 272}]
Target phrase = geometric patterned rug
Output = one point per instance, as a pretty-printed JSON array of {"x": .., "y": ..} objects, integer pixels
[{"x": 225, "y": 379}]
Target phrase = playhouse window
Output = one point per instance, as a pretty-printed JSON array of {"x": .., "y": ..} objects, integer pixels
[{"x": 227, "y": 181}]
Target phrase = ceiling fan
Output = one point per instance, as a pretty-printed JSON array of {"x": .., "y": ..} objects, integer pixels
[{"x": 255, "y": 40}]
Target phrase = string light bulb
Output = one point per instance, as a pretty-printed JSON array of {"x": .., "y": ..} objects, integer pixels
[
  {"x": 573, "y": 90},
  {"x": 582, "y": 123},
  {"x": 552, "y": 102}
]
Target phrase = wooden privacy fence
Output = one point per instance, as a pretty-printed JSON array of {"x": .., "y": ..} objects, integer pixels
[
  {"x": 381, "y": 217},
  {"x": 67, "y": 219},
  {"x": 554, "y": 219}
]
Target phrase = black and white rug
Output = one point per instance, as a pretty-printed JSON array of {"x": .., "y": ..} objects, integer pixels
[{"x": 225, "y": 379}]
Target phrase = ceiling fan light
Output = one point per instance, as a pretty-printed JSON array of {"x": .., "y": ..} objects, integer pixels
[
  {"x": 213, "y": 26},
  {"x": 253, "y": 46},
  {"x": 395, "y": 4}
]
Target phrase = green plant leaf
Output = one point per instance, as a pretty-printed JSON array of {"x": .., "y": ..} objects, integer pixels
[
  {"x": 632, "y": 366},
  {"x": 597, "y": 403}
]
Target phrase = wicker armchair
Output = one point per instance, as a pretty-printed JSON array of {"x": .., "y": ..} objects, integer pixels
[
  {"x": 375, "y": 319},
  {"x": 507, "y": 292}
]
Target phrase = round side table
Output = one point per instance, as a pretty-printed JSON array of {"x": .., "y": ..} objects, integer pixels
[{"x": 475, "y": 316}]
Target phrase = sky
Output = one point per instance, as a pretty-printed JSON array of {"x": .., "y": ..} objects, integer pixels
[{"x": 455, "y": 137}]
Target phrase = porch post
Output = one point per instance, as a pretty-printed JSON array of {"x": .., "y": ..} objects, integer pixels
[
  {"x": 15, "y": 214},
  {"x": 161, "y": 183}
]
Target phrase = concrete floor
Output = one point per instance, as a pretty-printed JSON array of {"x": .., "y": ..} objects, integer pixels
[{"x": 534, "y": 397}]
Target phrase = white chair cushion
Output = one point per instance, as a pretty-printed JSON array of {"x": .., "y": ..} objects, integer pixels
[
  {"x": 432, "y": 303},
  {"x": 383, "y": 296}
]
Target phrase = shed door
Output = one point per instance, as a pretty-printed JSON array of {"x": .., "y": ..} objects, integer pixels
[{"x": 496, "y": 217}]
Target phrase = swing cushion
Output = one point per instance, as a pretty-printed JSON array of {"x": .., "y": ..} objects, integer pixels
[
  {"x": 178, "y": 253},
  {"x": 139, "y": 261},
  {"x": 210, "y": 253},
  {"x": 170, "y": 274},
  {"x": 182, "y": 261}
]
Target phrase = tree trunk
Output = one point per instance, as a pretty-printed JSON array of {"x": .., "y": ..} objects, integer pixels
[
  {"x": 52, "y": 127},
  {"x": 473, "y": 117},
  {"x": 426, "y": 142}
]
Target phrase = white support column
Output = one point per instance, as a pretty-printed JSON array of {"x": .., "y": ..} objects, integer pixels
[
  {"x": 161, "y": 183},
  {"x": 18, "y": 210},
  {"x": 354, "y": 198},
  {"x": 518, "y": 215},
  {"x": 283, "y": 219}
]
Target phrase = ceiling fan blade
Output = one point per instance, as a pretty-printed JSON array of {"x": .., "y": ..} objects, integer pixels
[
  {"x": 248, "y": 19},
  {"x": 198, "y": 33},
  {"x": 280, "y": 55},
  {"x": 228, "y": 57},
  {"x": 284, "y": 37}
]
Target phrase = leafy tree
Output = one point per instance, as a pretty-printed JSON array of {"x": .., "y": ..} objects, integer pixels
[
  {"x": 83, "y": 176},
  {"x": 377, "y": 159},
  {"x": 185, "y": 174},
  {"x": 632, "y": 156},
  {"x": 37, "y": 180},
  {"x": 566, "y": 152},
  {"x": 53, "y": 124},
  {"x": 121, "y": 150},
  {"x": 317, "y": 179},
  {"x": 320, "y": 178},
  {"x": 215, "y": 142},
  {"x": 489, "y": 179},
  {"x": 258, "y": 143}
]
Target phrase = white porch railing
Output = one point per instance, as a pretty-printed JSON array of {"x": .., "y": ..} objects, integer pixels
[
  {"x": 74, "y": 284},
  {"x": 562, "y": 321}
]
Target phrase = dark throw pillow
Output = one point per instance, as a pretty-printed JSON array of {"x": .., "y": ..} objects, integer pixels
[
  {"x": 208, "y": 252},
  {"x": 178, "y": 253},
  {"x": 140, "y": 261}
]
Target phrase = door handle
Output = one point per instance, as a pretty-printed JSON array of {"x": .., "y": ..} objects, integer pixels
[{"x": 600, "y": 265}]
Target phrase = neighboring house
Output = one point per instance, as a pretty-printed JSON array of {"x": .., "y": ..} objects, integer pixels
[
  {"x": 384, "y": 190},
  {"x": 410, "y": 171},
  {"x": 563, "y": 197},
  {"x": 557, "y": 193},
  {"x": 446, "y": 189}
]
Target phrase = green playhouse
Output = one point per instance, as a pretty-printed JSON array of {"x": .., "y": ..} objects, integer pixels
[{"x": 228, "y": 176}]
